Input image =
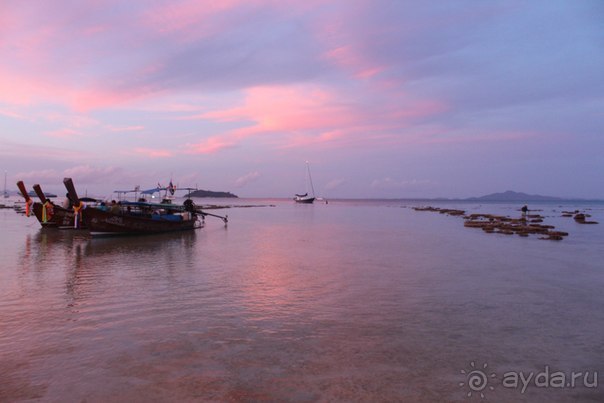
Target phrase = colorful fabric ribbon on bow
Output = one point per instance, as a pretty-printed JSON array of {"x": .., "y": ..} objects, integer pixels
[
  {"x": 46, "y": 211},
  {"x": 77, "y": 214},
  {"x": 28, "y": 204}
]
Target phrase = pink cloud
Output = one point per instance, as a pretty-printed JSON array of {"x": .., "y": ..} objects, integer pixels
[
  {"x": 305, "y": 115},
  {"x": 126, "y": 128},
  {"x": 351, "y": 58},
  {"x": 82, "y": 175},
  {"x": 289, "y": 110},
  {"x": 190, "y": 20},
  {"x": 247, "y": 178},
  {"x": 11, "y": 114},
  {"x": 62, "y": 133},
  {"x": 154, "y": 153},
  {"x": 42, "y": 152},
  {"x": 209, "y": 146},
  {"x": 25, "y": 89},
  {"x": 187, "y": 15},
  {"x": 93, "y": 174},
  {"x": 90, "y": 98},
  {"x": 38, "y": 175}
]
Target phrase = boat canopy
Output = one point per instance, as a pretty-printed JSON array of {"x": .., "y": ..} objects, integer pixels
[
  {"x": 89, "y": 200},
  {"x": 304, "y": 195},
  {"x": 154, "y": 205},
  {"x": 154, "y": 190}
]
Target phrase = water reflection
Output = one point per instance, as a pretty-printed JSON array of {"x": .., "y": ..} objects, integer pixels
[
  {"x": 87, "y": 262},
  {"x": 301, "y": 303}
]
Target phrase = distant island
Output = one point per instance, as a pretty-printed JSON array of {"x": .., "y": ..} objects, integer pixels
[
  {"x": 513, "y": 197},
  {"x": 209, "y": 193}
]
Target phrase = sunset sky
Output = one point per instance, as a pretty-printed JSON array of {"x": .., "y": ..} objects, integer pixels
[{"x": 383, "y": 98}]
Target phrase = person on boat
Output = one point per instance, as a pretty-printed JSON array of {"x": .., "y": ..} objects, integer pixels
[
  {"x": 524, "y": 209},
  {"x": 115, "y": 208},
  {"x": 67, "y": 203}
]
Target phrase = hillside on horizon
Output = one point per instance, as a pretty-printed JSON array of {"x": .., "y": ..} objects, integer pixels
[
  {"x": 210, "y": 193},
  {"x": 510, "y": 195}
]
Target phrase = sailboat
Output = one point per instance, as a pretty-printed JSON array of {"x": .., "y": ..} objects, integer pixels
[
  {"x": 5, "y": 191},
  {"x": 305, "y": 198}
]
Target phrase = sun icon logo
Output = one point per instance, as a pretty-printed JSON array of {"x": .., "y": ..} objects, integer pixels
[{"x": 477, "y": 380}]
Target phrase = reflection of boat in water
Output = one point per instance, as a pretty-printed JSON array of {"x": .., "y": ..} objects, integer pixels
[
  {"x": 136, "y": 249},
  {"x": 305, "y": 198}
]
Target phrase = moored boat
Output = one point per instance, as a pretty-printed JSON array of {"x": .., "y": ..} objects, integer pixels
[
  {"x": 306, "y": 198},
  {"x": 49, "y": 214},
  {"x": 140, "y": 218},
  {"x": 44, "y": 211}
]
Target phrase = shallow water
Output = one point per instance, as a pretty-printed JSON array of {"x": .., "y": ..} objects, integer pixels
[{"x": 349, "y": 301}]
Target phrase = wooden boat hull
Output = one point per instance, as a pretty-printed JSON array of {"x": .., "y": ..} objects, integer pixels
[
  {"x": 59, "y": 218},
  {"x": 101, "y": 223}
]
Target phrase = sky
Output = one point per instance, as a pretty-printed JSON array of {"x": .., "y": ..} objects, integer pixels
[{"x": 383, "y": 98}]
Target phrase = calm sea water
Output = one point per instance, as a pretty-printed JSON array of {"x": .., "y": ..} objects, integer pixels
[{"x": 349, "y": 301}]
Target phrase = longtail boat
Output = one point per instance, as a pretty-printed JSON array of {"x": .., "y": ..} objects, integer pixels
[
  {"x": 77, "y": 220},
  {"x": 44, "y": 211},
  {"x": 28, "y": 201},
  {"x": 51, "y": 214},
  {"x": 138, "y": 218}
]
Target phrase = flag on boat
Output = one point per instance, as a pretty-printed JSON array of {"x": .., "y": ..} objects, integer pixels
[{"x": 171, "y": 188}]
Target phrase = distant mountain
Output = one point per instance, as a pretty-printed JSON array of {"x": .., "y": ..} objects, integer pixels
[
  {"x": 514, "y": 196},
  {"x": 209, "y": 193}
]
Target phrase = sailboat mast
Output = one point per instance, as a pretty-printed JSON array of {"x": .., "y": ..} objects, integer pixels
[{"x": 310, "y": 177}]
